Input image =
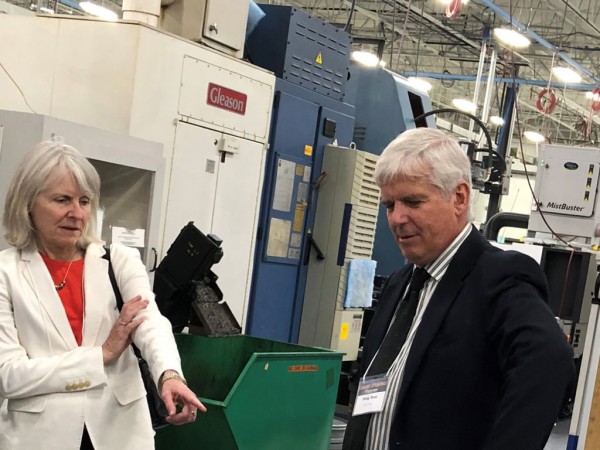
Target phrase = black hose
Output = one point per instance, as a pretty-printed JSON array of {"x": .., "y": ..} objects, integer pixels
[
  {"x": 501, "y": 220},
  {"x": 471, "y": 116}
]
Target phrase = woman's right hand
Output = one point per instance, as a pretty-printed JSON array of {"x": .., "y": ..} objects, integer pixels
[{"x": 120, "y": 335}]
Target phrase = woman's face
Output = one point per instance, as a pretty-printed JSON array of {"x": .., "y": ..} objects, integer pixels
[{"x": 60, "y": 214}]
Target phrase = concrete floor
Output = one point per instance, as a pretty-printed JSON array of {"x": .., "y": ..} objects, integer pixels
[{"x": 560, "y": 434}]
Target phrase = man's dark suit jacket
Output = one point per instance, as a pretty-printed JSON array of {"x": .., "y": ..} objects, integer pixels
[{"x": 489, "y": 366}]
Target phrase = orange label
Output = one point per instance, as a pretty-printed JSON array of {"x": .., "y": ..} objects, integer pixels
[{"x": 305, "y": 368}]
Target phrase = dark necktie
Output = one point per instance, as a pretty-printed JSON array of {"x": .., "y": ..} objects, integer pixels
[
  {"x": 356, "y": 431},
  {"x": 400, "y": 326}
]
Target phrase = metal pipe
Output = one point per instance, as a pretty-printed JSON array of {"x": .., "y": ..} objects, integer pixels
[
  {"x": 540, "y": 40},
  {"x": 145, "y": 11},
  {"x": 482, "y": 56},
  {"x": 450, "y": 76}
]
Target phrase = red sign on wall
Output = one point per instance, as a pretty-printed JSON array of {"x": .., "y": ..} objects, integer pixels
[{"x": 224, "y": 98}]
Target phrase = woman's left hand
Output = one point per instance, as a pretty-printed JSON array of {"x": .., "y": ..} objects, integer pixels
[{"x": 174, "y": 392}]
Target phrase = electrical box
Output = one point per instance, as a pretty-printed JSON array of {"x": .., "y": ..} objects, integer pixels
[
  {"x": 220, "y": 24},
  {"x": 566, "y": 191},
  {"x": 302, "y": 50},
  {"x": 345, "y": 223}
]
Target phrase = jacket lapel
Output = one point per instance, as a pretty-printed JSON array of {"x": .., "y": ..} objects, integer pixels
[
  {"x": 37, "y": 275},
  {"x": 439, "y": 305},
  {"x": 97, "y": 291}
]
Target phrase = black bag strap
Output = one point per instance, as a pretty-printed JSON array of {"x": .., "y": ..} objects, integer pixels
[{"x": 118, "y": 296}]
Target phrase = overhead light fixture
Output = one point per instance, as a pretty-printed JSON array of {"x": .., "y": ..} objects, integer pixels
[
  {"x": 594, "y": 96},
  {"x": 497, "y": 120},
  {"x": 566, "y": 74},
  {"x": 46, "y": 10},
  {"x": 365, "y": 58},
  {"x": 98, "y": 11},
  {"x": 465, "y": 105},
  {"x": 534, "y": 136},
  {"x": 511, "y": 37},
  {"x": 419, "y": 83}
]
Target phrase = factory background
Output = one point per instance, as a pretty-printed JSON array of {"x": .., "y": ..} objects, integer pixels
[{"x": 261, "y": 124}]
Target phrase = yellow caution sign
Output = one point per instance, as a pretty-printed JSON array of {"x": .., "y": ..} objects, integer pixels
[{"x": 319, "y": 59}]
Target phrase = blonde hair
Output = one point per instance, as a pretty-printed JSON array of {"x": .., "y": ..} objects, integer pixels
[{"x": 48, "y": 160}]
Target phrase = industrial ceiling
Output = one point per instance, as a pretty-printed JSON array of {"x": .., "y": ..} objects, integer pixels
[{"x": 443, "y": 44}]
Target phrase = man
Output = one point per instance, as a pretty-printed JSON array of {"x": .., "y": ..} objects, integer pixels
[{"x": 483, "y": 365}]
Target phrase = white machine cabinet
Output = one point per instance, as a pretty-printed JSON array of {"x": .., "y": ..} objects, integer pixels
[
  {"x": 221, "y": 193},
  {"x": 210, "y": 111}
]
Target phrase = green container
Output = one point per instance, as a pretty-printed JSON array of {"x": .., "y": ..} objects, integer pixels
[{"x": 260, "y": 395}]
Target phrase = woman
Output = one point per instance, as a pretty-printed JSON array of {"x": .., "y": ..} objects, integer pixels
[{"x": 67, "y": 369}]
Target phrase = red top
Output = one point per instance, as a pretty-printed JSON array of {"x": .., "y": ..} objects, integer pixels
[{"x": 71, "y": 295}]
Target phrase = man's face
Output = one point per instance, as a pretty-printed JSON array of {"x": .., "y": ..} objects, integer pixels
[{"x": 422, "y": 221}]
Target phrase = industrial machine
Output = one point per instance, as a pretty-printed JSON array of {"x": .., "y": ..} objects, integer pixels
[
  {"x": 564, "y": 208},
  {"x": 208, "y": 111},
  {"x": 345, "y": 224},
  {"x": 310, "y": 59}
]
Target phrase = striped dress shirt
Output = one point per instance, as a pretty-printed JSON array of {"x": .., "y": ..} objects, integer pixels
[{"x": 379, "y": 428}]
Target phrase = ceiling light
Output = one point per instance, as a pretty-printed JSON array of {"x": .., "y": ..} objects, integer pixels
[
  {"x": 566, "y": 74},
  {"x": 419, "y": 83},
  {"x": 594, "y": 96},
  {"x": 464, "y": 105},
  {"x": 365, "y": 58},
  {"x": 534, "y": 136},
  {"x": 98, "y": 11},
  {"x": 511, "y": 37},
  {"x": 46, "y": 10},
  {"x": 497, "y": 120}
]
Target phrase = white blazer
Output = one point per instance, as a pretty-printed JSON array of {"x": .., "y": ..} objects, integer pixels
[{"x": 51, "y": 386}]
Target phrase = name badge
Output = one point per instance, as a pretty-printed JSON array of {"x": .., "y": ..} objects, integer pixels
[{"x": 371, "y": 395}]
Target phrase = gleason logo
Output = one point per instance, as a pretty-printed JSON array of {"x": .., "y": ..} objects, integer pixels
[
  {"x": 225, "y": 98},
  {"x": 562, "y": 206}
]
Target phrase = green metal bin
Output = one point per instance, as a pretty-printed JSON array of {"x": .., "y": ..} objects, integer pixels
[{"x": 260, "y": 395}]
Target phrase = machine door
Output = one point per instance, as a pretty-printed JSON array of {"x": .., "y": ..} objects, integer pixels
[
  {"x": 282, "y": 222},
  {"x": 221, "y": 26},
  {"x": 219, "y": 192}
]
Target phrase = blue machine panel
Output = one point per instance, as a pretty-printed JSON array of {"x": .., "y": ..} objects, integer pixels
[
  {"x": 301, "y": 49},
  {"x": 301, "y": 128}
]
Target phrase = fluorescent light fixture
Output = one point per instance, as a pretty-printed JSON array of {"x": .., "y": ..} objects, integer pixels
[
  {"x": 511, "y": 37},
  {"x": 566, "y": 74},
  {"x": 365, "y": 58},
  {"x": 534, "y": 136},
  {"x": 497, "y": 120},
  {"x": 465, "y": 105},
  {"x": 592, "y": 96},
  {"x": 98, "y": 11},
  {"x": 419, "y": 83},
  {"x": 46, "y": 10}
]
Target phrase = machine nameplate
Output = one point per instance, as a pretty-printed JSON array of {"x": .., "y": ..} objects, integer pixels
[{"x": 226, "y": 98}]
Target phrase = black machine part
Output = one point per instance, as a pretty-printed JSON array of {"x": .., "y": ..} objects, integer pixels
[{"x": 184, "y": 283}]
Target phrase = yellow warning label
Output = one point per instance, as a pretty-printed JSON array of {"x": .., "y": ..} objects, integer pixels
[
  {"x": 319, "y": 59},
  {"x": 344, "y": 331},
  {"x": 308, "y": 150}
]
